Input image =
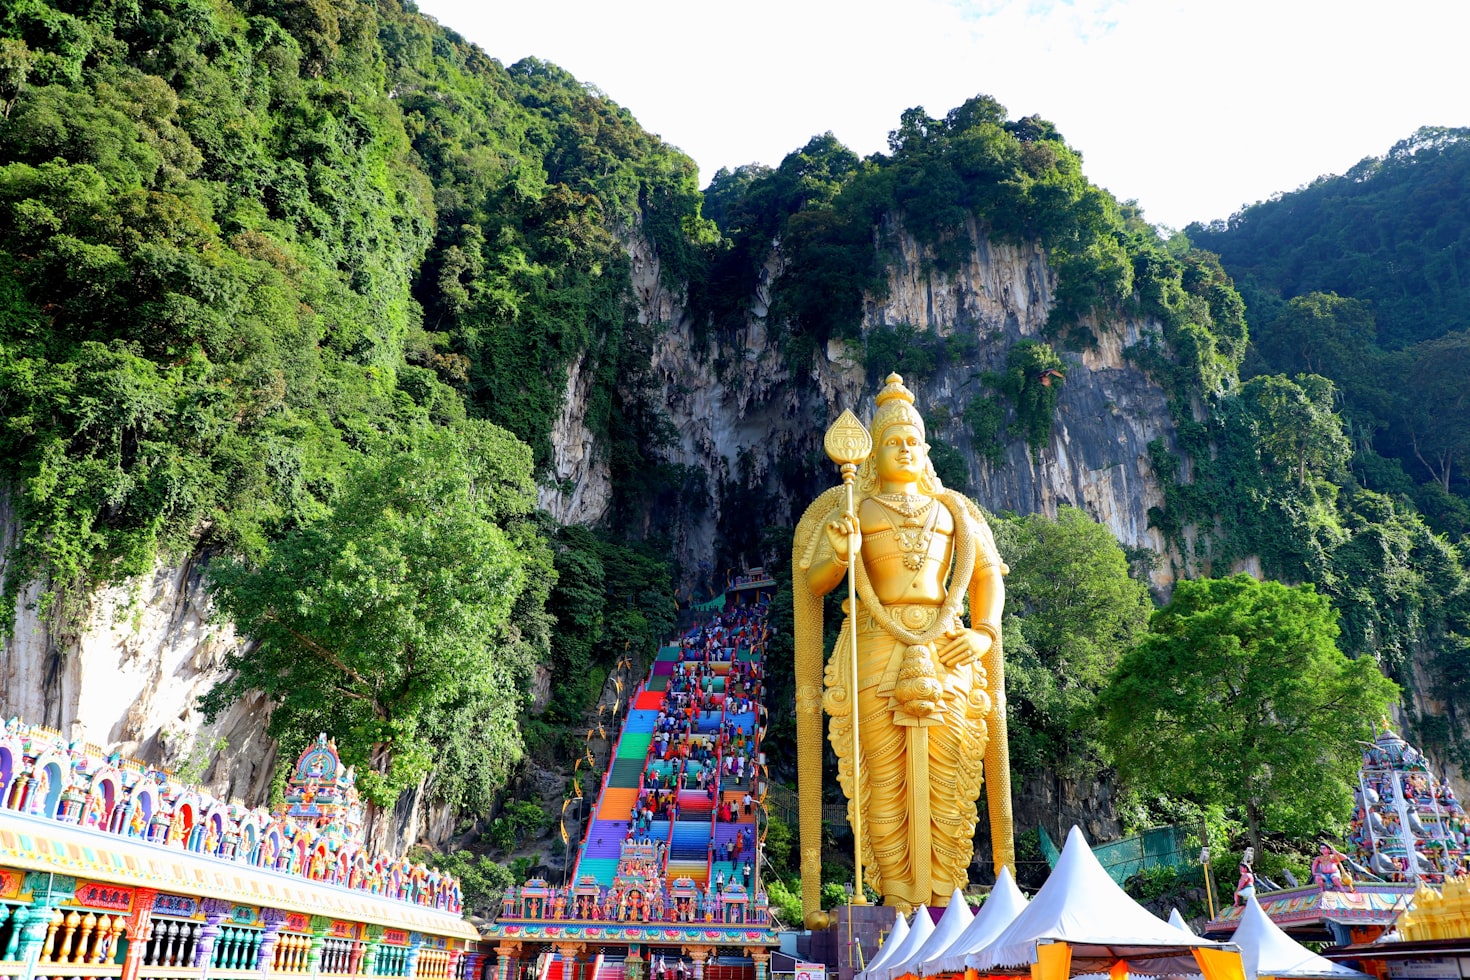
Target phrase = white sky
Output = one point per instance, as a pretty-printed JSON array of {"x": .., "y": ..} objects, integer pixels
[{"x": 1191, "y": 107}]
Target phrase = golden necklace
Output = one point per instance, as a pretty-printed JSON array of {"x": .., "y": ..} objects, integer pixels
[
  {"x": 912, "y": 506},
  {"x": 914, "y": 533}
]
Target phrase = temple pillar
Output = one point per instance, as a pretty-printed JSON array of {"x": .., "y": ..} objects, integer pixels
[
  {"x": 633, "y": 964},
  {"x": 699, "y": 954},
  {"x": 412, "y": 964},
  {"x": 504, "y": 953},
  {"x": 357, "y": 958},
  {"x": 215, "y": 912},
  {"x": 318, "y": 944},
  {"x": 36, "y": 927},
  {"x": 273, "y": 919},
  {"x": 570, "y": 952},
  {"x": 761, "y": 957},
  {"x": 137, "y": 929}
]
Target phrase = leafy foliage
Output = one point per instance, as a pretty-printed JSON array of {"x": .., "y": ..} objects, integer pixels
[
  {"x": 1391, "y": 232},
  {"x": 1072, "y": 609},
  {"x": 1239, "y": 694},
  {"x": 481, "y": 881},
  {"x": 611, "y": 600},
  {"x": 394, "y": 610},
  {"x": 256, "y": 266}
]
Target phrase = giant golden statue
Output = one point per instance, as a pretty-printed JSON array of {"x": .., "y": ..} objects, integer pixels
[{"x": 930, "y": 691}]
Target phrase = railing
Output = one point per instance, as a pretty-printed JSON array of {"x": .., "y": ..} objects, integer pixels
[
  {"x": 82, "y": 942},
  {"x": 237, "y": 948}
]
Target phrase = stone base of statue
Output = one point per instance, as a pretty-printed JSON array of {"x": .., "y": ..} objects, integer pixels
[{"x": 852, "y": 940}]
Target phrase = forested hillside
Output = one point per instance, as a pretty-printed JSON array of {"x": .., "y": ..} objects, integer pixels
[
  {"x": 1365, "y": 279},
  {"x": 1362, "y": 282},
  {"x": 276, "y": 277},
  {"x": 304, "y": 292}
]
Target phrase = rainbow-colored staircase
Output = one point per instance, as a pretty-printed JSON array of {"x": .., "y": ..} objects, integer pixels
[{"x": 696, "y": 840}]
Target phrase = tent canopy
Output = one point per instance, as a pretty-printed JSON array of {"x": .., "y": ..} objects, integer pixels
[
  {"x": 890, "y": 946},
  {"x": 1177, "y": 921},
  {"x": 1083, "y": 909},
  {"x": 1000, "y": 910},
  {"x": 920, "y": 929},
  {"x": 951, "y": 924},
  {"x": 1267, "y": 951}
]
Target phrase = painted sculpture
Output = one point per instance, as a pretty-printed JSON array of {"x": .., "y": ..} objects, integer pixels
[{"x": 1408, "y": 826}]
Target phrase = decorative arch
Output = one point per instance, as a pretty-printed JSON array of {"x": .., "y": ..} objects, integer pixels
[
  {"x": 186, "y": 815},
  {"x": 12, "y": 760},
  {"x": 249, "y": 839},
  {"x": 54, "y": 768},
  {"x": 140, "y": 811},
  {"x": 270, "y": 848},
  {"x": 107, "y": 790}
]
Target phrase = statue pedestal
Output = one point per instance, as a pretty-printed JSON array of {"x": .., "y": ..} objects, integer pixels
[{"x": 853, "y": 926}]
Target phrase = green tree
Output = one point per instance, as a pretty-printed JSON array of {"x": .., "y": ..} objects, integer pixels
[
  {"x": 1298, "y": 432},
  {"x": 1319, "y": 333},
  {"x": 1071, "y": 611},
  {"x": 1033, "y": 383},
  {"x": 1434, "y": 404},
  {"x": 481, "y": 881},
  {"x": 1238, "y": 695},
  {"x": 395, "y": 606}
]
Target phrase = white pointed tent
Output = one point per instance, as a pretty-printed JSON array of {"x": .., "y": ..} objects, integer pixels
[
  {"x": 1000, "y": 910},
  {"x": 920, "y": 929},
  {"x": 1081, "y": 922},
  {"x": 957, "y": 916},
  {"x": 890, "y": 946},
  {"x": 1266, "y": 951},
  {"x": 1177, "y": 921}
]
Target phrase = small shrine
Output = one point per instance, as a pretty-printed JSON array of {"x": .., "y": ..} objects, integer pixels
[
  {"x": 322, "y": 791},
  {"x": 1408, "y": 830},
  {"x": 1408, "y": 826},
  {"x": 1442, "y": 915}
]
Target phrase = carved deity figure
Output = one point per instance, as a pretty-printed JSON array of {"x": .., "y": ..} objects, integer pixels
[{"x": 929, "y": 689}]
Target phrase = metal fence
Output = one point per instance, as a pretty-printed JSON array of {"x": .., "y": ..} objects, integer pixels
[{"x": 1122, "y": 859}]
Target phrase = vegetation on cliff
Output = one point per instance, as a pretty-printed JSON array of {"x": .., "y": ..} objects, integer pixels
[
  {"x": 1341, "y": 459},
  {"x": 271, "y": 276}
]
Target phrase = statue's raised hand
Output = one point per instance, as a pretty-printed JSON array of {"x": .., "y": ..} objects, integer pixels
[{"x": 844, "y": 535}]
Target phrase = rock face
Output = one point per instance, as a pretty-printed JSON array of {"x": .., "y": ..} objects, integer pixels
[
  {"x": 751, "y": 423},
  {"x": 131, "y": 675}
]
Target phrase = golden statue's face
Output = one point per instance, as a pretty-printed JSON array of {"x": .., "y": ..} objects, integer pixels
[{"x": 902, "y": 454}]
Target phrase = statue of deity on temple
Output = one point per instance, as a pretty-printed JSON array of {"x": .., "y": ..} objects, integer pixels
[{"x": 928, "y": 689}]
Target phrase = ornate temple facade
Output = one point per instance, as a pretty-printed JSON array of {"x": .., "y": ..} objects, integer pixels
[{"x": 109, "y": 868}]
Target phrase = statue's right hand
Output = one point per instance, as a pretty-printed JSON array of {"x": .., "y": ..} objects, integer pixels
[{"x": 843, "y": 535}]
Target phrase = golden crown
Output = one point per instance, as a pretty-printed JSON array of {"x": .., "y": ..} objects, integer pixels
[{"x": 895, "y": 407}]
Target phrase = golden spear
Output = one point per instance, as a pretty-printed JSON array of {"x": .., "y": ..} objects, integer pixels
[{"x": 848, "y": 444}]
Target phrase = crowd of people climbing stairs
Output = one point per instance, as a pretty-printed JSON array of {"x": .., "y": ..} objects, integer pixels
[{"x": 674, "y": 831}]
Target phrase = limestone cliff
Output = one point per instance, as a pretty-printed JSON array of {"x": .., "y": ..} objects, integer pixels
[
  {"x": 752, "y": 423},
  {"x": 130, "y": 676},
  {"x": 748, "y": 422}
]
